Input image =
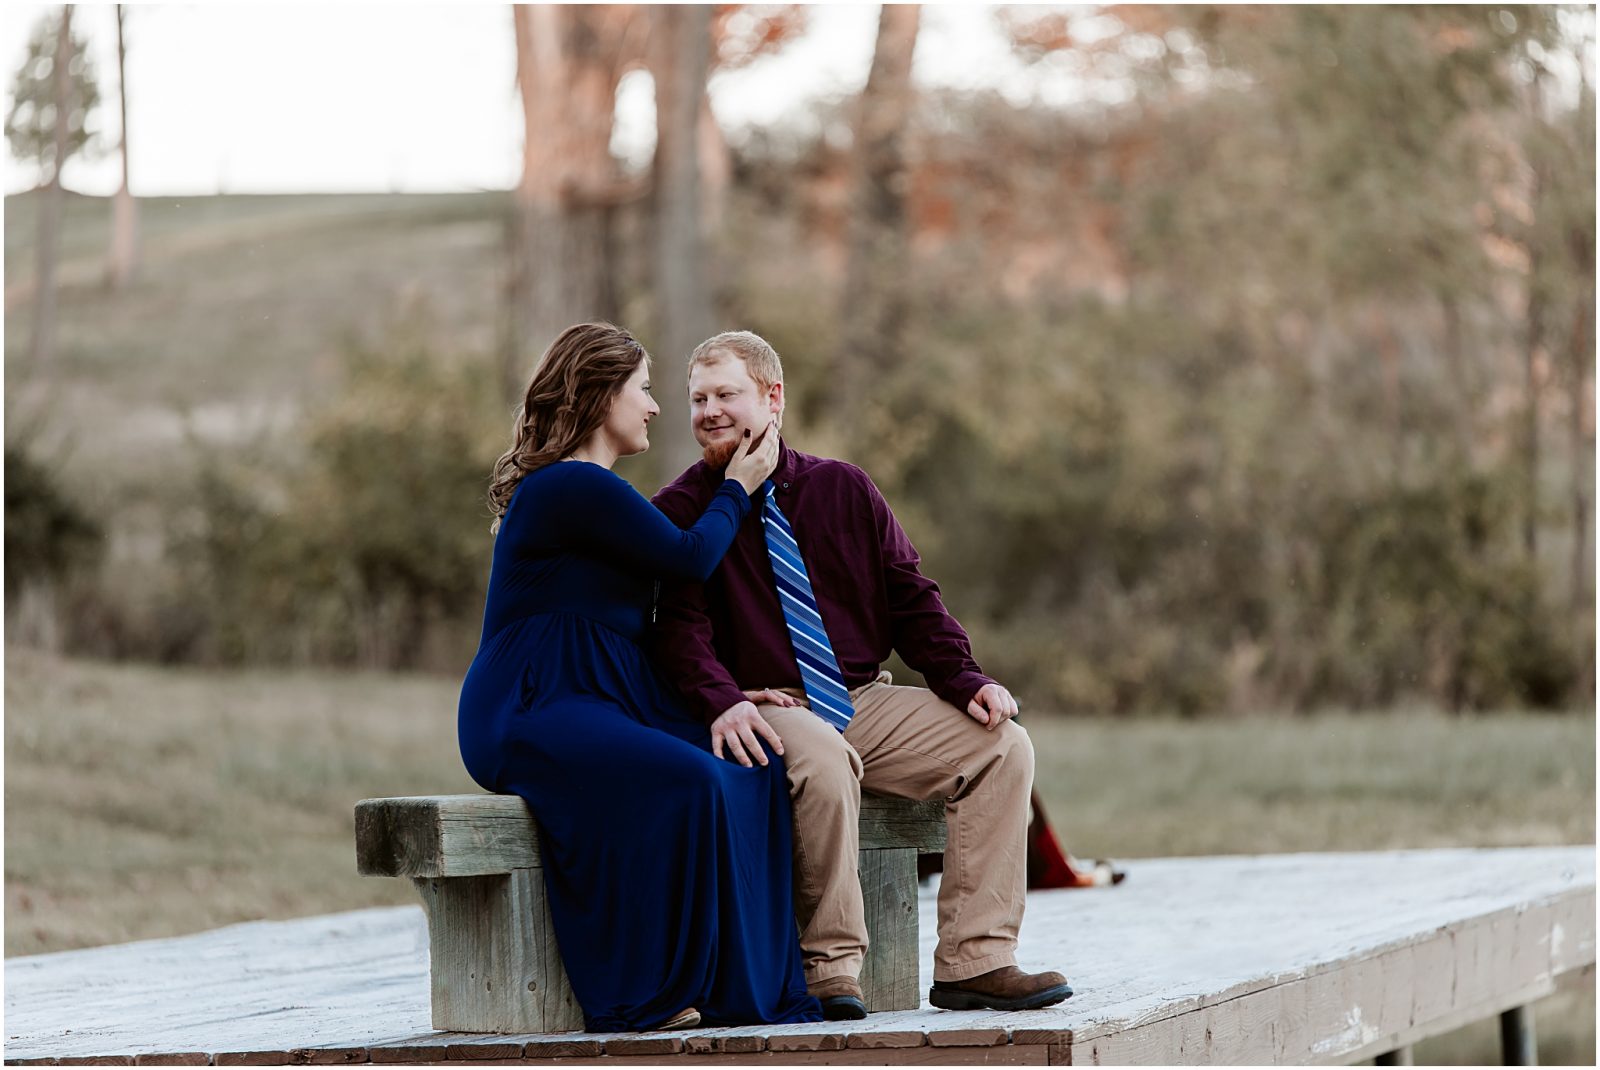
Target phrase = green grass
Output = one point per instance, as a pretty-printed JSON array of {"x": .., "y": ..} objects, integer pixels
[{"x": 145, "y": 802}]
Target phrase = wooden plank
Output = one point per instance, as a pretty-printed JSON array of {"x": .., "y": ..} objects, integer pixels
[
  {"x": 966, "y": 1038},
  {"x": 277, "y": 1057},
  {"x": 494, "y": 967},
  {"x": 565, "y": 1048},
  {"x": 889, "y": 976},
  {"x": 327, "y": 1056},
  {"x": 497, "y": 1051},
  {"x": 889, "y": 1039},
  {"x": 1362, "y": 1008},
  {"x": 445, "y": 836},
  {"x": 893, "y": 823},
  {"x": 999, "y": 1055},
  {"x": 644, "y": 1045},
  {"x": 1252, "y": 928},
  {"x": 710, "y": 1045},
  {"x": 484, "y": 835}
]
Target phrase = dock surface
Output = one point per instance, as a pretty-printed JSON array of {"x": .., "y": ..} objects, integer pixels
[{"x": 1304, "y": 958}]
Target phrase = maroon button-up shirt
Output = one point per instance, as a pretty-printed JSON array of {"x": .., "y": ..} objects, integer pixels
[{"x": 717, "y": 638}]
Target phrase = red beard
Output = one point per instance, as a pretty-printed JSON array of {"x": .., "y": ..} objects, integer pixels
[{"x": 718, "y": 454}]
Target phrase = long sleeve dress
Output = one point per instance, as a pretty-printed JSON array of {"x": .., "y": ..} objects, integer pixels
[{"x": 667, "y": 869}]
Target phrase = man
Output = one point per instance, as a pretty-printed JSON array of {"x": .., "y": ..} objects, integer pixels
[{"x": 783, "y": 645}]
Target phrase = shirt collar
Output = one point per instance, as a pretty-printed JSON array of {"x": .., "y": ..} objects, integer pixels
[{"x": 783, "y": 473}]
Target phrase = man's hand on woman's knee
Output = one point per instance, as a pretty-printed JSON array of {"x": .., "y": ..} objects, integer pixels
[{"x": 737, "y": 729}]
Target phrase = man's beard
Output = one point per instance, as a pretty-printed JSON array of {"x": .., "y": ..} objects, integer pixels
[{"x": 718, "y": 454}]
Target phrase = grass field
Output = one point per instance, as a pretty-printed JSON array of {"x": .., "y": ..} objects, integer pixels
[
  {"x": 145, "y": 802},
  {"x": 236, "y": 318}
]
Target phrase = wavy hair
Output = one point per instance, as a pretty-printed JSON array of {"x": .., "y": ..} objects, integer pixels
[{"x": 567, "y": 400}]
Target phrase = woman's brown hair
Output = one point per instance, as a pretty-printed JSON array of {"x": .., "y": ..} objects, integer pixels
[{"x": 568, "y": 399}]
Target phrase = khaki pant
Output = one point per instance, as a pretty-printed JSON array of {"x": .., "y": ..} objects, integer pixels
[{"x": 906, "y": 742}]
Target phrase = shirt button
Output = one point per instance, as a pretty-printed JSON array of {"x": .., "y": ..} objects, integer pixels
[{"x": 786, "y": 486}]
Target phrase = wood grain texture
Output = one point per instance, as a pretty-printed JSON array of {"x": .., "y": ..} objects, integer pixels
[
  {"x": 644, "y": 1045},
  {"x": 493, "y": 962},
  {"x": 889, "y": 976},
  {"x": 563, "y": 1049},
  {"x": 485, "y": 835},
  {"x": 1006, "y": 1055},
  {"x": 1305, "y": 933},
  {"x": 899, "y": 823},
  {"x": 1364, "y": 1006},
  {"x": 327, "y": 1056},
  {"x": 901, "y": 1038},
  {"x": 445, "y": 836},
  {"x": 966, "y": 1038}
]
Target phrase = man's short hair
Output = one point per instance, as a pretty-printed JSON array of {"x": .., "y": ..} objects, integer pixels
[{"x": 760, "y": 359}]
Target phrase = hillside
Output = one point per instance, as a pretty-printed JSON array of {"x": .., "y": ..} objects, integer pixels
[{"x": 236, "y": 316}]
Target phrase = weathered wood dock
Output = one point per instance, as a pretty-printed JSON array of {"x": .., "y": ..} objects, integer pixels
[{"x": 1312, "y": 958}]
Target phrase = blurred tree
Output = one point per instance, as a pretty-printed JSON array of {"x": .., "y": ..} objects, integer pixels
[
  {"x": 1557, "y": 236},
  {"x": 31, "y": 126},
  {"x": 371, "y": 548},
  {"x": 49, "y": 538},
  {"x": 570, "y": 58},
  {"x": 680, "y": 60},
  {"x": 740, "y": 34},
  {"x": 124, "y": 212},
  {"x": 876, "y": 299},
  {"x": 53, "y": 95}
]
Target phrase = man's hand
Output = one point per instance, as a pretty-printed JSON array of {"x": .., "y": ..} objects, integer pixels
[
  {"x": 991, "y": 706},
  {"x": 738, "y": 727}
]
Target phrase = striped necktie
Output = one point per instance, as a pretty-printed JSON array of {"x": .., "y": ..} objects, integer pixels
[{"x": 819, "y": 669}]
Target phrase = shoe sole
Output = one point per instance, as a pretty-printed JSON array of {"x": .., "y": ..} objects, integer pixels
[
  {"x": 957, "y": 1000},
  {"x": 843, "y": 1009}
]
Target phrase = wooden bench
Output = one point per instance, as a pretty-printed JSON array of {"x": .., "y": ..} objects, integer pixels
[{"x": 492, "y": 956}]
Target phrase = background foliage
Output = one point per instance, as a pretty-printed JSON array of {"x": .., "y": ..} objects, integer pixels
[{"x": 1267, "y": 385}]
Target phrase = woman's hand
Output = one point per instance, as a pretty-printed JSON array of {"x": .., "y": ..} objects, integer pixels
[
  {"x": 754, "y": 461},
  {"x": 770, "y": 697}
]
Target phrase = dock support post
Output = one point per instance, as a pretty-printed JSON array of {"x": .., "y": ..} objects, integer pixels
[
  {"x": 1399, "y": 1057},
  {"x": 1518, "y": 1045}
]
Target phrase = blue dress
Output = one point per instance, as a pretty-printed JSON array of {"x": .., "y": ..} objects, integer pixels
[{"x": 667, "y": 869}]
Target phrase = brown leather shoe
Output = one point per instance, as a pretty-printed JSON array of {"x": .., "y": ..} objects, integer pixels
[
  {"x": 841, "y": 999},
  {"x": 1005, "y": 989}
]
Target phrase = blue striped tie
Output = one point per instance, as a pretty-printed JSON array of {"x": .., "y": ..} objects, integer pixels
[{"x": 819, "y": 669}]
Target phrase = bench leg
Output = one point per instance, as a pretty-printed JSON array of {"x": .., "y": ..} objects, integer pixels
[
  {"x": 1518, "y": 1045},
  {"x": 492, "y": 958},
  {"x": 889, "y": 979},
  {"x": 1398, "y": 1057}
]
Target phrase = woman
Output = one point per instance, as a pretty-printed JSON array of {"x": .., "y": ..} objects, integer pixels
[{"x": 667, "y": 869}]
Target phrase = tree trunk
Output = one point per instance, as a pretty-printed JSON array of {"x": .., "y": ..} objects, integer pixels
[
  {"x": 716, "y": 166},
  {"x": 876, "y": 297},
  {"x": 1582, "y": 475},
  {"x": 1533, "y": 338},
  {"x": 684, "y": 316},
  {"x": 569, "y": 58},
  {"x": 124, "y": 214},
  {"x": 44, "y": 303}
]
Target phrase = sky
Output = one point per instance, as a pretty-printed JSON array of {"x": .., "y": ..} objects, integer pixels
[{"x": 257, "y": 98}]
